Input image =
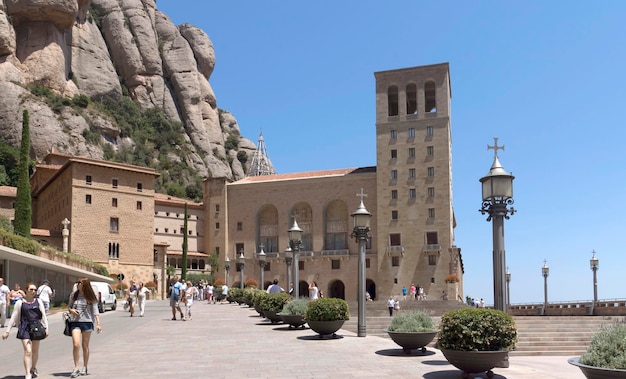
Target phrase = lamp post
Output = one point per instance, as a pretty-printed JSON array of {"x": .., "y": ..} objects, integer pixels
[
  {"x": 594, "y": 263},
  {"x": 508, "y": 288},
  {"x": 360, "y": 232},
  {"x": 227, "y": 267},
  {"x": 288, "y": 260},
  {"x": 497, "y": 191},
  {"x": 262, "y": 259},
  {"x": 241, "y": 260},
  {"x": 545, "y": 271},
  {"x": 295, "y": 241}
]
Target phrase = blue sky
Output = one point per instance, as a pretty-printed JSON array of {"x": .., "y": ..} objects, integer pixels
[{"x": 547, "y": 78}]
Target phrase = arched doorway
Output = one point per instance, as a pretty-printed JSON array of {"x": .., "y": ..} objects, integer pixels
[
  {"x": 370, "y": 287},
  {"x": 303, "y": 288},
  {"x": 337, "y": 289}
]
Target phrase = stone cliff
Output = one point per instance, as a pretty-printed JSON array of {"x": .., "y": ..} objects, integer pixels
[{"x": 110, "y": 49}]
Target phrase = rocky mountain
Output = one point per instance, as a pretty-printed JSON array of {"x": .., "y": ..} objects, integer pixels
[{"x": 111, "y": 49}]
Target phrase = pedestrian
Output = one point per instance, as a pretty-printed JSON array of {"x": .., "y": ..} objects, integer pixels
[
  {"x": 15, "y": 295},
  {"x": 420, "y": 293},
  {"x": 404, "y": 293},
  {"x": 4, "y": 300},
  {"x": 444, "y": 295},
  {"x": 132, "y": 297},
  {"x": 175, "y": 292},
  {"x": 396, "y": 305},
  {"x": 291, "y": 288},
  {"x": 313, "y": 291},
  {"x": 83, "y": 308},
  {"x": 413, "y": 292},
  {"x": 141, "y": 298},
  {"x": 391, "y": 303},
  {"x": 28, "y": 311},
  {"x": 44, "y": 293},
  {"x": 209, "y": 293},
  {"x": 190, "y": 293},
  {"x": 275, "y": 288},
  {"x": 224, "y": 293}
]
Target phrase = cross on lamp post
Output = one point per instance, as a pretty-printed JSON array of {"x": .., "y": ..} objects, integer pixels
[
  {"x": 288, "y": 260},
  {"x": 594, "y": 263},
  {"x": 262, "y": 260},
  {"x": 360, "y": 233},
  {"x": 508, "y": 288},
  {"x": 545, "y": 271},
  {"x": 295, "y": 242},
  {"x": 241, "y": 260},
  {"x": 497, "y": 189}
]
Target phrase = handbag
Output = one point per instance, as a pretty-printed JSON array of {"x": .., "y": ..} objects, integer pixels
[
  {"x": 67, "y": 331},
  {"x": 37, "y": 331}
]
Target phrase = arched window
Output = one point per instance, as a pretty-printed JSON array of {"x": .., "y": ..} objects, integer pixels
[
  {"x": 430, "y": 95},
  {"x": 411, "y": 99},
  {"x": 267, "y": 221},
  {"x": 392, "y": 100}
]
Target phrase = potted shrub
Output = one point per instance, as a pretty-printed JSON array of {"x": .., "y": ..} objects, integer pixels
[
  {"x": 251, "y": 283},
  {"x": 412, "y": 330},
  {"x": 325, "y": 315},
  {"x": 258, "y": 296},
  {"x": 606, "y": 355},
  {"x": 235, "y": 295},
  {"x": 477, "y": 339},
  {"x": 293, "y": 313},
  {"x": 248, "y": 296},
  {"x": 272, "y": 304}
]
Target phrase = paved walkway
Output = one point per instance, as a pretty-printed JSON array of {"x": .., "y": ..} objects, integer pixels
[{"x": 231, "y": 341}]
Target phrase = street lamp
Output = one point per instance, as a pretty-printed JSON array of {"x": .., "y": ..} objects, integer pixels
[
  {"x": 594, "y": 263},
  {"x": 288, "y": 260},
  {"x": 227, "y": 267},
  {"x": 545, "y": 270},
  {"x": 497, "y": 189},
  {"x": 295, "y": 241},
  {"x": 241, "y": 260},
  {"x": 508, "y": 288},
  {"x": 361, "y": 230},
  {"x": 262, "y": 260}
]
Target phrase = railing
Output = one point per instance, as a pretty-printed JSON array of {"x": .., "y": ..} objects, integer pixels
[
  {"x": 605, "y": 307},
  {"x": 432, "y": 247},
  {"x": 335, "y": 252},
  {"x": 395, "y": 249}
]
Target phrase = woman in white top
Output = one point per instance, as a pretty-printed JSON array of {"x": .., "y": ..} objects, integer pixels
[
  {"x": 190, "y": 293},
  {"x": 313, "y": 291},
  {"x": 83, "y": 308},
  {"x": 141, "y": 298}
]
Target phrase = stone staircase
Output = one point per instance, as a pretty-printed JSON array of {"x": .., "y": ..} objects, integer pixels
[{"x": 537, "y": 335}]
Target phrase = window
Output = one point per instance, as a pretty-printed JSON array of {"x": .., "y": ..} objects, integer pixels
[
  {"x": 431, "y": 212},
  {"x": 301, "y": 265},
  {"x": 394, "y": 194},
  {"x": 432, "y": 260},
  {"x": 114, "y": 183},
  {"x": 411, "y": 173},
  {"x": 114, "y": 202},
  {"x": 114, "y": 224},
  {"x": 431, "y": 191},
  {"x": 411, "y": 99},
  {"x": 412, "y": 193},
  {"x": 430, "y": 94},
  {"x": 411, "y": 132},
  {"x": 431, "y": 171},
  {"x": 335, "y": 241},
  {"x": 88, "y": 180},
  {"x": 395, "y": 239},
  {"x": 432, "y": 238},
  {"x": 394, "y": 215},
  {"x": 394, "y": 174},
  {"x": 139, "y": 205},
  {"x": 217, "y": 208},
  {"x": 394, "y": 154},
  {"x": 88, "y": 199},
  {"x": 114, "y": 250},
  {"x": 367, "y": 263},
  {"x": 167, "y": 230},
  {"x": 392, "y": 101},
  {"x": 217, "y": 225},
  {"x": 240, "y": 226},
  {"x": 395, "y": 261},
  {"x": 156, "y": 230},
  {"x": 411, "y": 152},
  {"x": 429, "y": 130},
  {"x": 139, "y": 187},
  {"x": 393, "y": 134},
  {"x": 335, "y": 264},
  {"x": 430, "y": 151}
]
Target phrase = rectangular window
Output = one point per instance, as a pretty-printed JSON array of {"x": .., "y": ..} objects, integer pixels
[
  {"x": 394, "y": 194},
  {"x": 411, "y": 173},
  {"x": 394, "y": 174},
  {"x": 395, "y": 239},
  {"x": 395, "y": 261},
  {"x": 367, "y": 263},
  {"x": 88, "y": 180},
  {"x": 432, "y": 238},
  {"x": 114, "y": 183},
  {"x": 240, "y": 226},
  {"x": 139, "y": 187},
  {"x": 336, "y": 241},
  {"x": 431, "y": 172},
  {"x": 411, "y": 132},
  {"x": 431, "y": 212},
  {"x": 114, "y": 202},
  {"x": 139, "y": 205},
  {"x": 412, "y": 193},
  {"x": 432, "y": 260},
  {"x": 430, "y": 151},
  {"x": 411, "y": 152},
  {"x": 88, "y": 199},
  {"x": 394, "y": 154},
  {"x": 114, "y": 250},
  {"x": 393, "y": 134},
  {"x": 217, "y": 208},
  {"x": 301, "y": 265},
  {"x": 217, "y": 225},
  {"x": 114, "y": 224},
  {"x": 431, "y": 191},
  {"x": 429, "y": 130},
  {"x": 335, "y": 264},
  {"x": 394, "y": 215}
]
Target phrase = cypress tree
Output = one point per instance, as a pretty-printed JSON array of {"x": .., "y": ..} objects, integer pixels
[
  {"x": 23, "y": 220},
  {"x": 184, "y": 270}
]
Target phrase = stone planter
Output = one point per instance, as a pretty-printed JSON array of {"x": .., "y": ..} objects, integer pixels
[
  {"x": 273, "y": 317},
  {"x": 324, "y": 328},
  {"x": 472, "y": 362},
  {"x": 453, "y": 291},
  {"x": 294, "y": 321},
  {"x": 412, "y": 340},
  {"x": 592, "y": 372}
]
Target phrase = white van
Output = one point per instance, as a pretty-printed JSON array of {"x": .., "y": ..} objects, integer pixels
[{"x": 105, "y": 295}]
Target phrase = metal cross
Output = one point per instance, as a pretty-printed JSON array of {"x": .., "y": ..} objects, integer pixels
[
  {"x": 362, "y": 194},
  {"x": 495, "y": 147}
]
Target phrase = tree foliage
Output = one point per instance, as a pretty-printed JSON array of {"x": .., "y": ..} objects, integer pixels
[{"x": 22, "y": 222}]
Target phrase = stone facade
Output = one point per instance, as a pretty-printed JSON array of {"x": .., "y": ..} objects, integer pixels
[{"x": 7, "y": 202}]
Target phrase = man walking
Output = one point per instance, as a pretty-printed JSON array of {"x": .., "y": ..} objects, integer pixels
[
  {"x": 4, "y": 296},
  {"x": 175, "y": 295},
  {"x": 275, "y": 288},
  {"x": 44, "y": 293}
]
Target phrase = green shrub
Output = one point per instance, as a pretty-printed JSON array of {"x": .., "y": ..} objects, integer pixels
[
  {"x": 249, "y": 294},
  {"x": 327, "y": 309},
  {"x": 274, "y": 302},
  {"x": 412, "y": 322},
  {"x": 258, "y": 297},
  {"x": 19, "y": 243},
  {"x": 235, "y": 295},
  {"x": 296, "y": 307},
  {"x": 477, "y": 329},
  {"x": 607, "y": 348},
  {"x": 81, "y": 101}
]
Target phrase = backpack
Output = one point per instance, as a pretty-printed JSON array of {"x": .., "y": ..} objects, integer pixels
[{"x": 176, "y": 291}]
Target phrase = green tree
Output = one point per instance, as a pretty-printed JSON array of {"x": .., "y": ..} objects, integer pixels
[
  {"x": 22, "y": 222},
  {"x": 184, "y": 269}
]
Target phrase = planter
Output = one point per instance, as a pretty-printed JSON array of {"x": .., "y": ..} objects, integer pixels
[
  {"x": 293, "y": 320},
  {"x": 471, "y": 362},
  {"x": 592, "y": 372},
  {"x": 273, "y": 316},
  {"x": 412, "y": 340},
  {"x": 324, "y": 328}
]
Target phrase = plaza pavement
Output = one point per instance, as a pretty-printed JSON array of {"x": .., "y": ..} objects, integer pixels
[{"x": 232, "y": 341}]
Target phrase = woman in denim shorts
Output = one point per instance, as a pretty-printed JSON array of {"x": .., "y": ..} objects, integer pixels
[{"x": 83, "y": 308}]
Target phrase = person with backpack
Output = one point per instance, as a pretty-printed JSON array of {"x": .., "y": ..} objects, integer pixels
[
  {"x": 175, "y": 292},
  {"x": 44, "y": 293}
]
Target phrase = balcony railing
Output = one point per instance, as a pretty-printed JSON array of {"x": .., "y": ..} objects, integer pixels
[
  {"x": 431, "y": 247},
  {"x": 398, "y": 249},
  {"x": 336, "y": 252}
]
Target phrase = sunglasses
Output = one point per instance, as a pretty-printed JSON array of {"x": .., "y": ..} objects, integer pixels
[{"x": 32, "y": 289}]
